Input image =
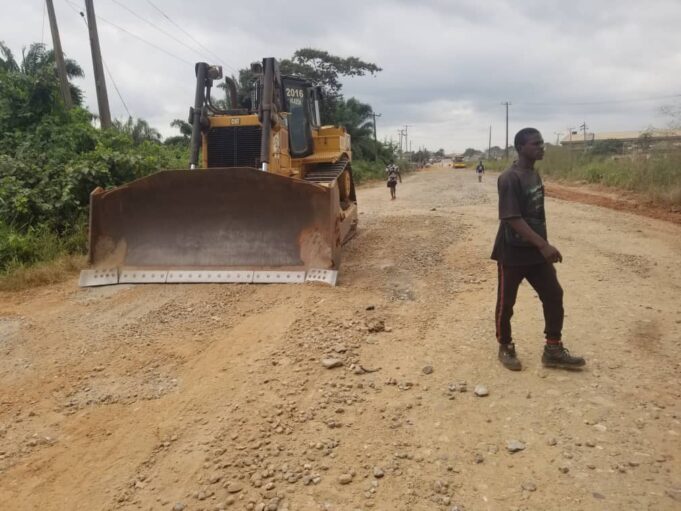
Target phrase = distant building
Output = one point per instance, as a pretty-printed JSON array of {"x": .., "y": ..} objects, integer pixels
[{"x": 630, "y": 140}]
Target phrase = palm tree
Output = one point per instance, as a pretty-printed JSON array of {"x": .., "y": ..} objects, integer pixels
[
  {"x": 184, "y": 127},
  {"x": 139, "y": 130},
  {"x": 356, "y": 118},
  {"x": 7, "y": 61},
  {"x": 38, "y": 63},
  {"x": 183, "y": 139}
]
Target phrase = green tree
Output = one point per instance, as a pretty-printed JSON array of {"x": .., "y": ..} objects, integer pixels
[
  {"x": 38, "y": 62},
  {"x": 184, "y": 127},
  {"x": 183, "y": 139},
  {"x": 470, "y": 152},
  {"x": 139, "y": 130},
  {"x": 29, "y": 90},
  {"x": 321, "y": 68},
  {"x": 324, "y": 69},
  {"x": 7, "y": 61},
  {"x": 52, "y": 158},
  {"x": 356, "y": 118},
  {"x": 421, "y": 157},
  {"x": 607, "y": 147}
]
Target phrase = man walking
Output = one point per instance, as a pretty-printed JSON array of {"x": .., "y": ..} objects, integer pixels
[
  {"x": 480, "y": 170},
  {"x": 522, "y": 252}
]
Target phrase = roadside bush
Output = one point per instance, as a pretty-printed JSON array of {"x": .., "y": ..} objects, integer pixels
[
  {"x": 364, "y": 170},
  {"x": 38, "y": 244},
  {"x": 593, "y": 173},
  {"x": 47, "y": 172}
]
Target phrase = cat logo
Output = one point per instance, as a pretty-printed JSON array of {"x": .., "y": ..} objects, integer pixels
[{"x": 234, "y": 120}]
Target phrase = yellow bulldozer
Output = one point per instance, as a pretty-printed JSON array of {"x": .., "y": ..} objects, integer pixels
[{"x": 268, "y": 196}]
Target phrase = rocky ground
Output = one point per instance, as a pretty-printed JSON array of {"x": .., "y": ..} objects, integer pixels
[{"x": 381, "y": 393}]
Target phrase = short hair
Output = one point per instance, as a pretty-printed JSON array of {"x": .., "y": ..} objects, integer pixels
[{"x": 522, "y": 136}]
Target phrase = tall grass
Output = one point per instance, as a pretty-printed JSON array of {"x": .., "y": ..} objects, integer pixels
[
  {"x": 38, "y": 255},
  {"x": 656, "y": 175},
  {"x": 23, "y": 275}
]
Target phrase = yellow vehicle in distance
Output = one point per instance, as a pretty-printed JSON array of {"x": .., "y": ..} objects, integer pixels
[{"x": 458, "y": 162}]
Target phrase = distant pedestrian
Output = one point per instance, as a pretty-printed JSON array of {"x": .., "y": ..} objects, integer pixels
[
  {"x": 393, "y": 174},
  {"x": 480, "y": 170},
  {"x": 522, "y": 252}
]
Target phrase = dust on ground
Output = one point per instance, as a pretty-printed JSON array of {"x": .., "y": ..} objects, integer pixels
[{"x": 362, "y": 396}]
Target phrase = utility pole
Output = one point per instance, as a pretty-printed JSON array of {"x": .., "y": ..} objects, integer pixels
[
  {"x": 100, "y": 83},
  {"x": 489, "y": 145},
  {"x": 59, "y": 57},
  {"x": 571, "y": 131},
  {"x": 583, "y": 127},
  {"x": 374, "y": 115},
  {"x": 506, "y": 148},
  {"x": 400, "y": 133},
  {"x": 406, "y": 130}
]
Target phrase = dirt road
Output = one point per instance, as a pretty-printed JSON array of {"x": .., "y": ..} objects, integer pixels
[{"x": 203, "y": 397}]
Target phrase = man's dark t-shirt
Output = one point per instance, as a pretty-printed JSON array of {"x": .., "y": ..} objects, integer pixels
[{"x": 521, "y": 194}]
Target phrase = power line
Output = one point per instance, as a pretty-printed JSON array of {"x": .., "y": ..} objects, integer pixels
[
  {"x": 600, "y": 102},
  {"x": 145, "y": 41},
  {"x": 597, "y": 102},
  {"x": 219, "y": 60},
  {"x": 558, "y": 103},
  {"x": 116, "y": 88},
  {"x": 168, "y": 34},
  {"x": 140, "y": 38}
]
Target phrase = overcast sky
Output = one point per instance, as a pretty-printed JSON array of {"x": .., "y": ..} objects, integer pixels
[{"x": 447, "y": 64}]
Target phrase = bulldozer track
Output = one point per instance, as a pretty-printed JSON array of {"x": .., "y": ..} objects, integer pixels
[{"x": 327, "y": 172}]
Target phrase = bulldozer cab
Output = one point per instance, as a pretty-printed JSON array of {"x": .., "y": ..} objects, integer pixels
[{"x": 301, "y": 101}]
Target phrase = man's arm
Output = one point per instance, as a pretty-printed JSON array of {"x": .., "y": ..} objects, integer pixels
[{"x": 550, "y": 253}]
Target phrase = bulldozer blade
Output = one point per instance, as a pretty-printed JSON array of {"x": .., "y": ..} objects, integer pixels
[{"x": 215, "y": 225}]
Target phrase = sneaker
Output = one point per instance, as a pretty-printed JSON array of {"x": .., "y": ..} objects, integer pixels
[
  {"x": 508, "y": 357},
  {"x": 558, "y": 356}
]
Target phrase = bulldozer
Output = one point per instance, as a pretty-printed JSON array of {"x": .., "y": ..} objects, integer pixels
[{"x": 268, "y": 197}]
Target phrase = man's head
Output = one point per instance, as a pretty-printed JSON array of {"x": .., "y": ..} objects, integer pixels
[{"x": 529, "y": 144}]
